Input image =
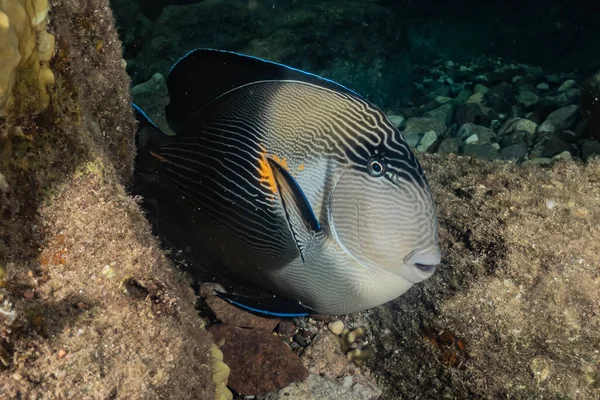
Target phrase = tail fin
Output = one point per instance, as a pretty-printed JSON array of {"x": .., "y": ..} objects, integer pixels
[{"x": 148, "y": 138}]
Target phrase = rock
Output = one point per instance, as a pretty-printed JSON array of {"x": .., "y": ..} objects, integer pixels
[
  {"x": 413, "y": 139},
  {"x": 361, "y": 387},
  {"x": 563, "y": 156},
  {"x": 421, "y": 125},
  {"x": 449, "y": 146},
  {"x": 476, "y": 98},
  {"x": 286, "y": 328},
  {"x": 324, "y": 389},
  {"x": 336, "y": 327},
  {"x": 543, "y": 86},
  {"x": 557, "y": 101},
  {"x": 152, "y": 96},
  {"x": 527, "y": 99},
  {"x": 481, "y": 133},
  {"x": 485, "y": 151},
  {"x": 500, "y": 97},
  {"x": 324, "y": 356},
  {"x": 462, "y": 96},
  {"x": 356, "y": 387},
  {"x": 294, "y": 391},
  {"x": 516, "y": 137},
  {"x": 568, "y": 84},
  {"x": 229, "y": 314},
  {"x": 428, "y": 139},
  {"x": 481, "y": 79},
  {"x": 533, "y": 73},
  {"x": 553, "y": 146},
  {"x": 539, "y": 161},
  {"x": 516, "y": 151},
  {"x": 553, "y": 78},
  {"x": 589, "y": 149},
  {"x": 518, "y": 124},
  {"x": 442, "y": 113},
  {"x": 474, "y": 113},
  {"x": 561, "y": 119},
  {"x": 567, "y": 136},
  {"x": 259, "y": 361},
  {"x": 440, "y": 91},
  {"x": 397, "y": 120},
  {"x": 472, "y": 139},
  {"x": 442, "y": 99}
]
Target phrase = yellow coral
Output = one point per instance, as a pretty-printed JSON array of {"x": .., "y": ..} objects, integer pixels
[
  {"x": 220, "y": 375},
  {"x": 25, "y": 51}
]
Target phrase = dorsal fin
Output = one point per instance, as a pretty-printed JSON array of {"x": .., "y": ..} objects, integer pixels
[{"x": 202, "y": 75}]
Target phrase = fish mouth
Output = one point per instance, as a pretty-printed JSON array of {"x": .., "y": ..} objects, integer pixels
[
  {"x": 425, "y": 268},
  {"x": 424, "y": 260}
]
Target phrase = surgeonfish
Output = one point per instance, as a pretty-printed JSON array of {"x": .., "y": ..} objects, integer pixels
[{"x": 296, "y": 183}]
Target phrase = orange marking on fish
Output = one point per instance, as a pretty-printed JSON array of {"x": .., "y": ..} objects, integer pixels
[
  {"x": 266, "y": 174},
  {"x": 301, "y": 167},
  {"x": 265, "y": 171},
  {"x": 158, "y": 156}
]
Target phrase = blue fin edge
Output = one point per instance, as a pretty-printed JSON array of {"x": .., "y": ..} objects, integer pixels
[
  {"x": 225, "y": 297},
  {"x": 143, "y": 113},
  {"x": 270, "y": 62}
]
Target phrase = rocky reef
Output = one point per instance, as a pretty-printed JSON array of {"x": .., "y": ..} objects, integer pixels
[{"x": 89, "y": 305}]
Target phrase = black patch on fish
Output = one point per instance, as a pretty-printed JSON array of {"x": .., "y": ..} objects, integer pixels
[{"x": 203, "y": 75}]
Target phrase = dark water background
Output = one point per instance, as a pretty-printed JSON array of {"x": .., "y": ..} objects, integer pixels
[{"x": 372, "y": 46}]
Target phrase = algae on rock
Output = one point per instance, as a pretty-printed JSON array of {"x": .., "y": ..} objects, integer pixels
[
  {"x": 89, "y": 305},
  {"x": 513, "y": 310}
]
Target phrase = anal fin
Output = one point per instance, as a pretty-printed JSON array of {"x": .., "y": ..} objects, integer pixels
[{"x": 270, "y": 306}]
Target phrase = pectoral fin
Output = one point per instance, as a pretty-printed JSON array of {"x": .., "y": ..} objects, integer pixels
[{"x": 299, "y": 214}]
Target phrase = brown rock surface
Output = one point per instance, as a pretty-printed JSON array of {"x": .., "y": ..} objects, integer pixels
[
  {"x": 260, "y": 362},
  {"x": 229, "y": 314}
]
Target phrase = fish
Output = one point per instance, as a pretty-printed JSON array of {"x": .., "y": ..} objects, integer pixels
[{"x": 294, "y": 182}]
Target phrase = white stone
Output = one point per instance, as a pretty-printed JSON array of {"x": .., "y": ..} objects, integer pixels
[
  {"x": 336, "y": 327},
  {"x": 472, "y": 139}
]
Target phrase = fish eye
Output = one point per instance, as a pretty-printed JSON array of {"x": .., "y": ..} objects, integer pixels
[{"x": 376, "y": 166}]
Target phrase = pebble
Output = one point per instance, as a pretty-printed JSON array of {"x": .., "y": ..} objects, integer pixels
[
  {"x": 479, "y": 88},
  {"x": 568, "y": 84},
  {"x": 543, "y": 86},
  {"x": 336, "y": 327},
  {"x": 528, "y": 99},
  {"x": 428, "y": 139},
  {"x": 301, "y": 339},
  {"x": 397, "y": 120}
]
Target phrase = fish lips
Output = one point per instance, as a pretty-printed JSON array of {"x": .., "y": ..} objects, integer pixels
[{"x": 424, "y": 261}]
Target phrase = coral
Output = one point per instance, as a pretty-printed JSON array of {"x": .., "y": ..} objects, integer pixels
[
  {"x": 220, "y": 375},
  {"x": 351, "y": 345},
  {"x": 26, "y": 49}
]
